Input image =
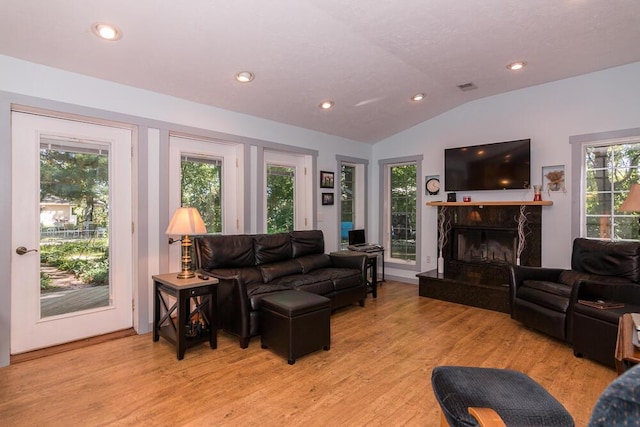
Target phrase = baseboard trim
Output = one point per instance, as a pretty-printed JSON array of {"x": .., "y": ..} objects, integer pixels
[{"x": 43, "y": 352}]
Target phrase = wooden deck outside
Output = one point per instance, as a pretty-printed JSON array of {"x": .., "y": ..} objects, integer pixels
[{"x": 68, "y": 301}]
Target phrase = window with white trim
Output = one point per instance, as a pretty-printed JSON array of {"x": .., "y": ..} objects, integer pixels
[
  {"x": 401, "y": 210},
  {"x": 288, "y": 192},
  {"x": 609, "y": 170},
  {"x": 352, "y": 197}
]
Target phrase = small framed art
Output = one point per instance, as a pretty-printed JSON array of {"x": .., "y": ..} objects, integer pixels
[
  {"x": 327, "y": 199},
  {"x": 553, "y": 178},
  {"x": 326, "y": 179}
]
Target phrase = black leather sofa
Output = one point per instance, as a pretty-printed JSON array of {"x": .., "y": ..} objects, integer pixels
[
  {"x": 252, "y": 266},
  {"x": 546, "y": 299}
]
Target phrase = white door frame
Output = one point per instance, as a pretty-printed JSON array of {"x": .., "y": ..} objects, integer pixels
[{"x": 28, "y": 331}]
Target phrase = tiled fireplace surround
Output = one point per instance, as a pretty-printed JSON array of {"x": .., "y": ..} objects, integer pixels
[{"x": 482, "y": 240}]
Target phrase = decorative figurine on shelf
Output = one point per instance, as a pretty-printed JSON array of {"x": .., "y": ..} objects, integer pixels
[{"x": 537, "y": 193}]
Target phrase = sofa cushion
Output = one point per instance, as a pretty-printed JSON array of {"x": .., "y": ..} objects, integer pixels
[
  {"x": 272, "y": 248},
  {"x": 307, "y": 242},
  {"x": 256, "y": 291},
  {"x": 606, "y": 258},
  {"x": 552, "y": 295},
  {"x": 306, "y": 282},
  {"x": 319, "y": 288},
  {"x": 314, "y": 262},
  {"x": 218, "y": 251},
  {"x": 278, "y": 269},
  {"x": 342, "y": 278}
]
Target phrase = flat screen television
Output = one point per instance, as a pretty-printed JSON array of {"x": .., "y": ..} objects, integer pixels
[{"x": 497, "y": 166}]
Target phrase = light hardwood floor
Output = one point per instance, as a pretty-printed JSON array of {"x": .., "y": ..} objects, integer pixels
[{"x": 377, "y": 373}]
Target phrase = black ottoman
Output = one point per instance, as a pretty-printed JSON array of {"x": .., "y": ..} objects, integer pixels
[{"x": 295, "y": 323}]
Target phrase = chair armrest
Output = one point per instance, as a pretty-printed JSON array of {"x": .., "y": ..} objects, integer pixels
[
  {"x": 487, "y": 417},
  {"x": 519, "y": 273},
  {"x": 602, "y": 290}
]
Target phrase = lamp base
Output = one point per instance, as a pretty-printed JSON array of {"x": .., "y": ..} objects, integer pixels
[{"x": 186, "y": 274}]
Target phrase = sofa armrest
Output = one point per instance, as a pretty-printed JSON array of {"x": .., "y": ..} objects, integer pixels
[
  {"x": 358, "y": 262},
  {"x": 233, "y": 306}
]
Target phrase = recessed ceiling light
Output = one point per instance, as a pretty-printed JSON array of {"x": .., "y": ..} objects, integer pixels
[
  {"x": 514, "y": 66},
  {"x": 106, "y": 31},
  {"x": 325, "y": 105},
  {"x": 245, "y": 76},
  {"x": 417, "y": 97}
]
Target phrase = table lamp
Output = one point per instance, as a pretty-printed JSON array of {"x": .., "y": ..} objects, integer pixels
[
  {"x": 186, "y": 222},
  {"x": 632, "y": 202}
]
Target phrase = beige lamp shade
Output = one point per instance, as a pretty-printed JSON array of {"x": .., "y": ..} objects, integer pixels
[
  {"x": 185, "y": 222},
  {"x": 632, "y": 203}
]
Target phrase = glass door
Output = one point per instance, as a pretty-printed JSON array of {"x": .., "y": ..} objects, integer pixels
[{"x": 71, "y": 231}]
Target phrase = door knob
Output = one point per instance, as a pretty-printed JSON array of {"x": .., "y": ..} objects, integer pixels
[{"x": 21, "y": 250}]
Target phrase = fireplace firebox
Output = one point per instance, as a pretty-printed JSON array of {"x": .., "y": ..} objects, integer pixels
[{"x": 480, "y": 244}]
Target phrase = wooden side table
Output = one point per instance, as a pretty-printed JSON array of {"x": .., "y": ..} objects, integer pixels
[
  {"x": 627, "y": 354},
  {"x": 192, "y": 318}
]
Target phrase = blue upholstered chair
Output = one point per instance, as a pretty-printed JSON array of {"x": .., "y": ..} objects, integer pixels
[{"x": 487, "y": 397}]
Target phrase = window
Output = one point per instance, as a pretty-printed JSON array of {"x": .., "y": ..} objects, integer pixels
[
  {"x": 403, "y": 211},
  {"x": 202, "y": 189},
  {"x": 288, "y": 192},
  {"x": 347, "y": 201},
  {"x": 207, "y": 175},
  {"x": 352, "y": 212},
  {"x": 400, "y": 225},
  {"x": 280, "y": 198},
  {"x": 609, "y": 170}
]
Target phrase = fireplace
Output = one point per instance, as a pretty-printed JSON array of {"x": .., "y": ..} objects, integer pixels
[
  {"x": 480, "y": 243},
  {"x": 482, "y": 238},
  {"x": 484, "y": 245}
]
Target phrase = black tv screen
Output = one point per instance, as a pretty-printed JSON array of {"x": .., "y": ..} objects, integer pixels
[{"x": 497, "y": 166}]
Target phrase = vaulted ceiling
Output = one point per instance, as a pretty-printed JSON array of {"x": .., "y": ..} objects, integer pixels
[{"x": 369, "y": 57}]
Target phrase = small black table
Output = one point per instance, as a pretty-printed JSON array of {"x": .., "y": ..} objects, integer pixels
[{"x": 192, "y": 318}]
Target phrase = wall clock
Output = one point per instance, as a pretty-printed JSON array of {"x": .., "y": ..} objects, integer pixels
[{"x": 433, "y": 185}]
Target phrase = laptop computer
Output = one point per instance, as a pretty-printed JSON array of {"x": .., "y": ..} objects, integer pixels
[{"x": 358, "y": 242}]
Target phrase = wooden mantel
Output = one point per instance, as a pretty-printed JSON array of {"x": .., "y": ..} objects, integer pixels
[{"x": 507, "y": 203}]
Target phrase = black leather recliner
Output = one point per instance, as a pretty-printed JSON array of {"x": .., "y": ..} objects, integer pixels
[{"x": 545, "y": 299}]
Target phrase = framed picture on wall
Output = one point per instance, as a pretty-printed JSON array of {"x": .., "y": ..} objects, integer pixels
[
  {"x": 326, "y": 179},
  {"x": 327, "y": 198},
  {"x": 553, "y": 178}
]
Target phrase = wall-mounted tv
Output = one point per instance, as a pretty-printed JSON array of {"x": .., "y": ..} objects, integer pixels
[{"x": 496, "y": 166}]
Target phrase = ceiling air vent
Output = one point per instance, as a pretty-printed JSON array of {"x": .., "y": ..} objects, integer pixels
[{"x": 467, "y": 86}]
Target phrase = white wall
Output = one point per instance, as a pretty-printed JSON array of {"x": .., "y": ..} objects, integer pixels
[
  {"x": 548, "y": 114},
  {"x": 44, "y": 87},
  {"x": 26, "y": 78}
]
